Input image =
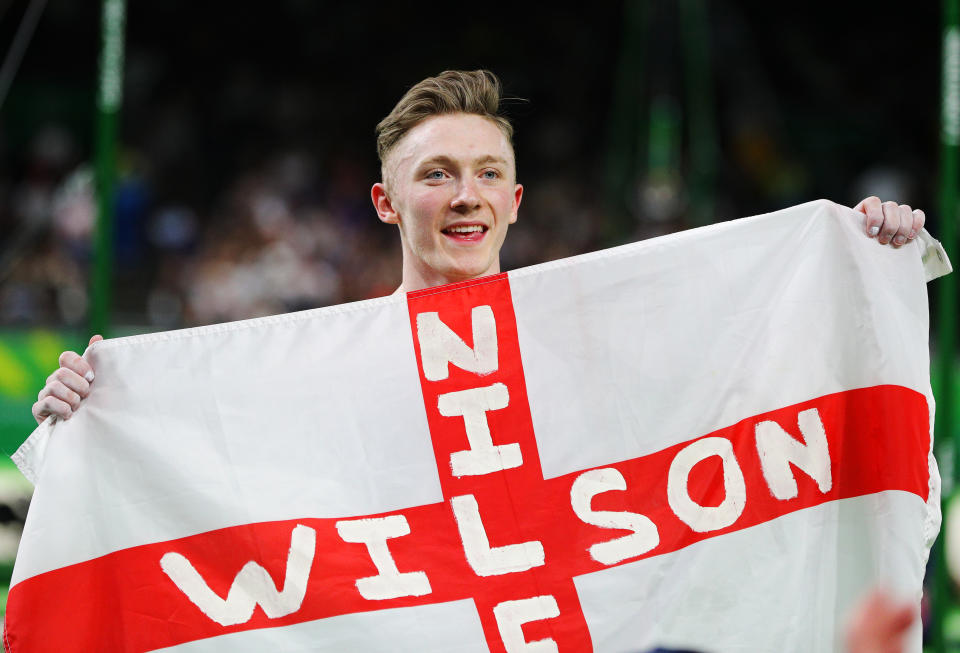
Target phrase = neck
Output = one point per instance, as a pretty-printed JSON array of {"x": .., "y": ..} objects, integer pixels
[{"x": 415, "y": 278}]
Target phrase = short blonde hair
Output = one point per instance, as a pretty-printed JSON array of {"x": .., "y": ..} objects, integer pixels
[{"x": 452, "y": 91}]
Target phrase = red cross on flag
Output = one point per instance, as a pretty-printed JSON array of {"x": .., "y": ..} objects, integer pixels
[{"x": 716, "y": 440}]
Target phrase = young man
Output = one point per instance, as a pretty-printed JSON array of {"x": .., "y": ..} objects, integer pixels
[
  {"x": 449, "y": 184},
  {"x": 449, "y": 178}
]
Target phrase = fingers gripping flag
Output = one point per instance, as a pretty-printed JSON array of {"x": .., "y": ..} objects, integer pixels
[{"x": 715, "y": 440}]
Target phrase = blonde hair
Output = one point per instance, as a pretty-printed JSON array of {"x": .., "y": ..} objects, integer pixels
[{"x": 452, "y": 91}]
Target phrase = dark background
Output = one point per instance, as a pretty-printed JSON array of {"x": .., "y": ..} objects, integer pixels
[{"x": 248, "y": 148}]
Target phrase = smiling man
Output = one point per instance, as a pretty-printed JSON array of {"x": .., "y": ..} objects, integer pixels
[
  {"x": 449, "y": 184},
  {"x": 449, "y": 178},
  {"x": 448, "y": 181}
]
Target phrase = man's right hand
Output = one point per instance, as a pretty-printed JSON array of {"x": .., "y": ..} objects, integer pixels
[
  {"x": 880, "y": 623},
  {"x": 66, "y": 387}
]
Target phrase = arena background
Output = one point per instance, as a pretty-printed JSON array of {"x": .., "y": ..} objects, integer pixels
[{"x": 245, "y": 147}]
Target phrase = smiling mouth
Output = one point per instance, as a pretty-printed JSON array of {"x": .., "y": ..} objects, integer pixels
[{"x": 466, "y": 233}]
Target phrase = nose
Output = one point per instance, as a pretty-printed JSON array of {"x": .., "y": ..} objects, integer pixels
[{"x": 467, "y": 197}]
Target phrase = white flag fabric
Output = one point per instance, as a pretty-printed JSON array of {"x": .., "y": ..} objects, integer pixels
[{"x": 717, "y": 440}]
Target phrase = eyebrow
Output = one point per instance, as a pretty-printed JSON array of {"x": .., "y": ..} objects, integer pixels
[{"x": 447, "y": 160}]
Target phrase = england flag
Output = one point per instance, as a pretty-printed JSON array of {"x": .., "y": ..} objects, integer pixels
[{"x": 716, "y": 440}]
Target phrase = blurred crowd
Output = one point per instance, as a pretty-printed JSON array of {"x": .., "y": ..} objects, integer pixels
[
  {"x": 278, "y": 238},
  {"x": 281, "y": 236},
  {"x": 244, "y": 170}
]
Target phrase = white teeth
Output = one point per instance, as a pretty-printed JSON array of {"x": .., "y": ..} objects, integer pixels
[{"x": 465, "y": 229}]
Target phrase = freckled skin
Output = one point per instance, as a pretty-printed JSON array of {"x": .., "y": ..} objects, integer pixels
[{"x": 452, "y": 169}]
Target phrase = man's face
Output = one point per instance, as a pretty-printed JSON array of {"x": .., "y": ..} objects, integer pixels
[{"x": 451, "y": 187}]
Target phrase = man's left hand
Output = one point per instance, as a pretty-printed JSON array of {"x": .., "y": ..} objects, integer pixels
[{"x": 889, "y": 222}]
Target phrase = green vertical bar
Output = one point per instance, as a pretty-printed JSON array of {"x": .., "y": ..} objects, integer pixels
[
  {"x": 947, "y": 297},
  {"x": 664, "y": 140},
  {"x": 945, "y": 430},
  {"x": 624, "y": 125},
  {"x": 109, "y": 97},
  {"x": 695, "y": 33}
]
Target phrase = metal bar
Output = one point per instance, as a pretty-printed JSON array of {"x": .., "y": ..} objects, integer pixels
[
  {"x": 624, "y": 124},
  {"x": 946, "y": 433},
  {"x": 21, "y": 40},
  {"x": 695, "y": 36},
  {"x": 109, "y": 98}
]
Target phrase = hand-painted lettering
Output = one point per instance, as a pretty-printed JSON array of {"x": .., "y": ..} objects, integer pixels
[
  {"x": 511, "y": 615},
  {"x": 644, "y": 537},
  {"x": 778, "y": 450},
  {"x": 440, "y": 346},
  {"x": 252, "y": 586},
  {"x": 484, "y": 559},
  {"x": 706, "y": 518},
  {"x": 483, "y": 457},
  {"x": 389, "y": 583}
]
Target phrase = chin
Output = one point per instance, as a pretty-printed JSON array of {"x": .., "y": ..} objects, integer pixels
[{"x": 465, "y": 273}]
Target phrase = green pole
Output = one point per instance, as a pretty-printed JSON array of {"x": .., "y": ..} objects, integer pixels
[
  {"x": 624, "y": 125},
  {"x": 946, "y": 432},
  {"x": 695, "y": 33},
  {"x": 664, "y": 140},
  {"x": 109, "y": 97},
  {"x": 947, "y": 297}
]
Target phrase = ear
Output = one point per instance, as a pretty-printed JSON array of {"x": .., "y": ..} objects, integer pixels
[
  {"x": 517, "y": 196},
  {"x": 381, "y": 202}
]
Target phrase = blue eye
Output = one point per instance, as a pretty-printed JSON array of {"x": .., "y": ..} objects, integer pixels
[
  {"x": 490, "y": 174},
  {"x": 435, "y": 174}
]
